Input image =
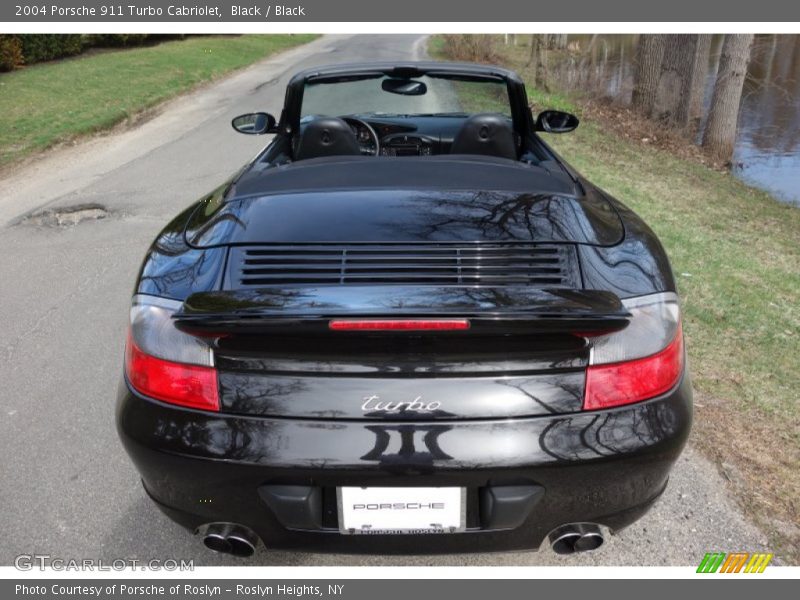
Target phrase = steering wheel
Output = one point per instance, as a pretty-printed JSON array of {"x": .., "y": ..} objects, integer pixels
[{"x": 363, "y": 125}]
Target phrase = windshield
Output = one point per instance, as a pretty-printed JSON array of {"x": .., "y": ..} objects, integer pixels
[{"x": 440, "y": 97}]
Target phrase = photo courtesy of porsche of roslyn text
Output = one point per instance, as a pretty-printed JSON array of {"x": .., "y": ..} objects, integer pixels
[{"x": 451, "y": 299}]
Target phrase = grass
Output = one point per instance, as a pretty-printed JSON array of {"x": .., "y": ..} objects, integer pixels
[
  {"x": 735, "y": 252},
  {"x": 736, "y": 257},
  {"x": 51, "y": 103}
]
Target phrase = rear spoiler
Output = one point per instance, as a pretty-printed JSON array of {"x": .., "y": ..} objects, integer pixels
[{"x": 490, "y": 310}]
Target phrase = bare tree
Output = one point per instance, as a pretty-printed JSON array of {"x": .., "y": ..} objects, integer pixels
[
  {"x": 720, "y": 133},
  {"x": 541, "y": 64},
  {"x": 556, "y": 41},
  {"x": 538, "y": 60},
  {"x": 677, "y": 74},
  {"x": 649, "y": 54},
  {"x": 588, "y": 61},
  {"x": 534, "y": 51},
  {"x": 699, "y": 76}
]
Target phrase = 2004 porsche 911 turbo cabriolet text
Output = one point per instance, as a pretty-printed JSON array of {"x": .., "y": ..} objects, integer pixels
[{"x": 404, "y": 318}]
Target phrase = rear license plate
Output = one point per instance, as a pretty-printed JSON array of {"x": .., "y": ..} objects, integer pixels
[{"x": 401, "y": 510}]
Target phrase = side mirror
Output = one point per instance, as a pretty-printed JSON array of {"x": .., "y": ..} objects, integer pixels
[
  {"x": 404, "y": 87},
  {"x": 254, "y": 123},
  {"x": 556, "y": 121}
]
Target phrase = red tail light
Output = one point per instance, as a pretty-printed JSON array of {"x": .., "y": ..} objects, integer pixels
[
  {"x": 193, "y": 386},
  {"x": 398, "y": 324},
  {"x": 636, "y": 380},
  {"x": 644, "y": 360},
  {"x": 166, "y": 364}
]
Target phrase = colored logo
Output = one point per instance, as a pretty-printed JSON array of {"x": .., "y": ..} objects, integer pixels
[{"x": 737, "y": 562}]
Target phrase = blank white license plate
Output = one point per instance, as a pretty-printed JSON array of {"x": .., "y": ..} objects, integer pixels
[{"x": 401, "y": 510}]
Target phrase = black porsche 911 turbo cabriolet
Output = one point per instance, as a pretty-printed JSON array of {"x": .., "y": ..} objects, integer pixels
[{"x": 406, "y": 316}]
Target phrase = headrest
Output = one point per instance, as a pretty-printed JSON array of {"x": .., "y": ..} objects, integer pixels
[
  {"x": 326, "y": 136},
  {"x": 488, "y": 134}
]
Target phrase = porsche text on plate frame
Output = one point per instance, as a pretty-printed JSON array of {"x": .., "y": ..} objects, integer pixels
[{"x": 401, "y": 510}]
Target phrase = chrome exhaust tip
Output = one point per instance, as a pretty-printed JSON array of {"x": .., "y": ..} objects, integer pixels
[
  {"x": 230, "y": 538},
  {"x": 243, "y": 542},
  {"x": 576, "y": 537}
]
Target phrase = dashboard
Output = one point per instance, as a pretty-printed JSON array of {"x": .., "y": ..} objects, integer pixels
[
  {"x": 409, "y": 136},
  {"x": 403, "y": 144}
]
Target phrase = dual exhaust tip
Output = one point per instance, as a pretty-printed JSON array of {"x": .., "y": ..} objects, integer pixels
[
  {"x": 576, "y": 537},
  {"x": 238, "y": 540},
  {"x": 230, "y": 538}
]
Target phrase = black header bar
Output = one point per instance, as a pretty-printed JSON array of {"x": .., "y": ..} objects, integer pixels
[{"x": 439, "y": 11}]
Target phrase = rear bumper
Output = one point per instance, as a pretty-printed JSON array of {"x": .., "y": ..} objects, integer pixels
[{"x": 604, "y": 467}]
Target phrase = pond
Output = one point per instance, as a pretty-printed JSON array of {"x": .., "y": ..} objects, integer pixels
[{"x": 767, "y": 153}]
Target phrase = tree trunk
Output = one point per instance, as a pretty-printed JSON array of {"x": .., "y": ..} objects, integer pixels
[
  {"x": 770, "y": 62},
  {"x": 541, "y": 63},
  {"x": 720, "y": 134},
  {"x": 556, "y": 41},
  {"x": 674, "y": 86},
  {"x": 534, "y": 51},
  {"x": 649, "y": 54},
  {"x": 699, "y": 76},
  {"x": 588, "y": 52}
]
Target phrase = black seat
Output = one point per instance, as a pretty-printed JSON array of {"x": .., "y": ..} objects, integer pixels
[
  {"x": 488, "y": 134},
  {"x": 326, "y": 136}
]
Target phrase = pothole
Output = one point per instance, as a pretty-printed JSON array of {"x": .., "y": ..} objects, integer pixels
[{"x": 66, "y": 216}]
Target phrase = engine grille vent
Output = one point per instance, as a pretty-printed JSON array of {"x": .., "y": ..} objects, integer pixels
[{"x": 541, "y": 265}]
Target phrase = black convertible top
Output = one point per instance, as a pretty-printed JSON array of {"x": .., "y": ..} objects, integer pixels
[{"x": 444, "y": 172}]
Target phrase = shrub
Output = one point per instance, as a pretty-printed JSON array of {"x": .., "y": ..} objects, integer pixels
[
  {"x": 37, "y": 48},
  {"x": 115, "y": 40},
  {"x": 10, "y": 52},
  {"x": 16, "y": 50},
  {"x": 470, "y": 48}
]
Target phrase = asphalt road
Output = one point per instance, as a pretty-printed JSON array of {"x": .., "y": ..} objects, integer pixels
[{"x": 66, "y": 487}]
